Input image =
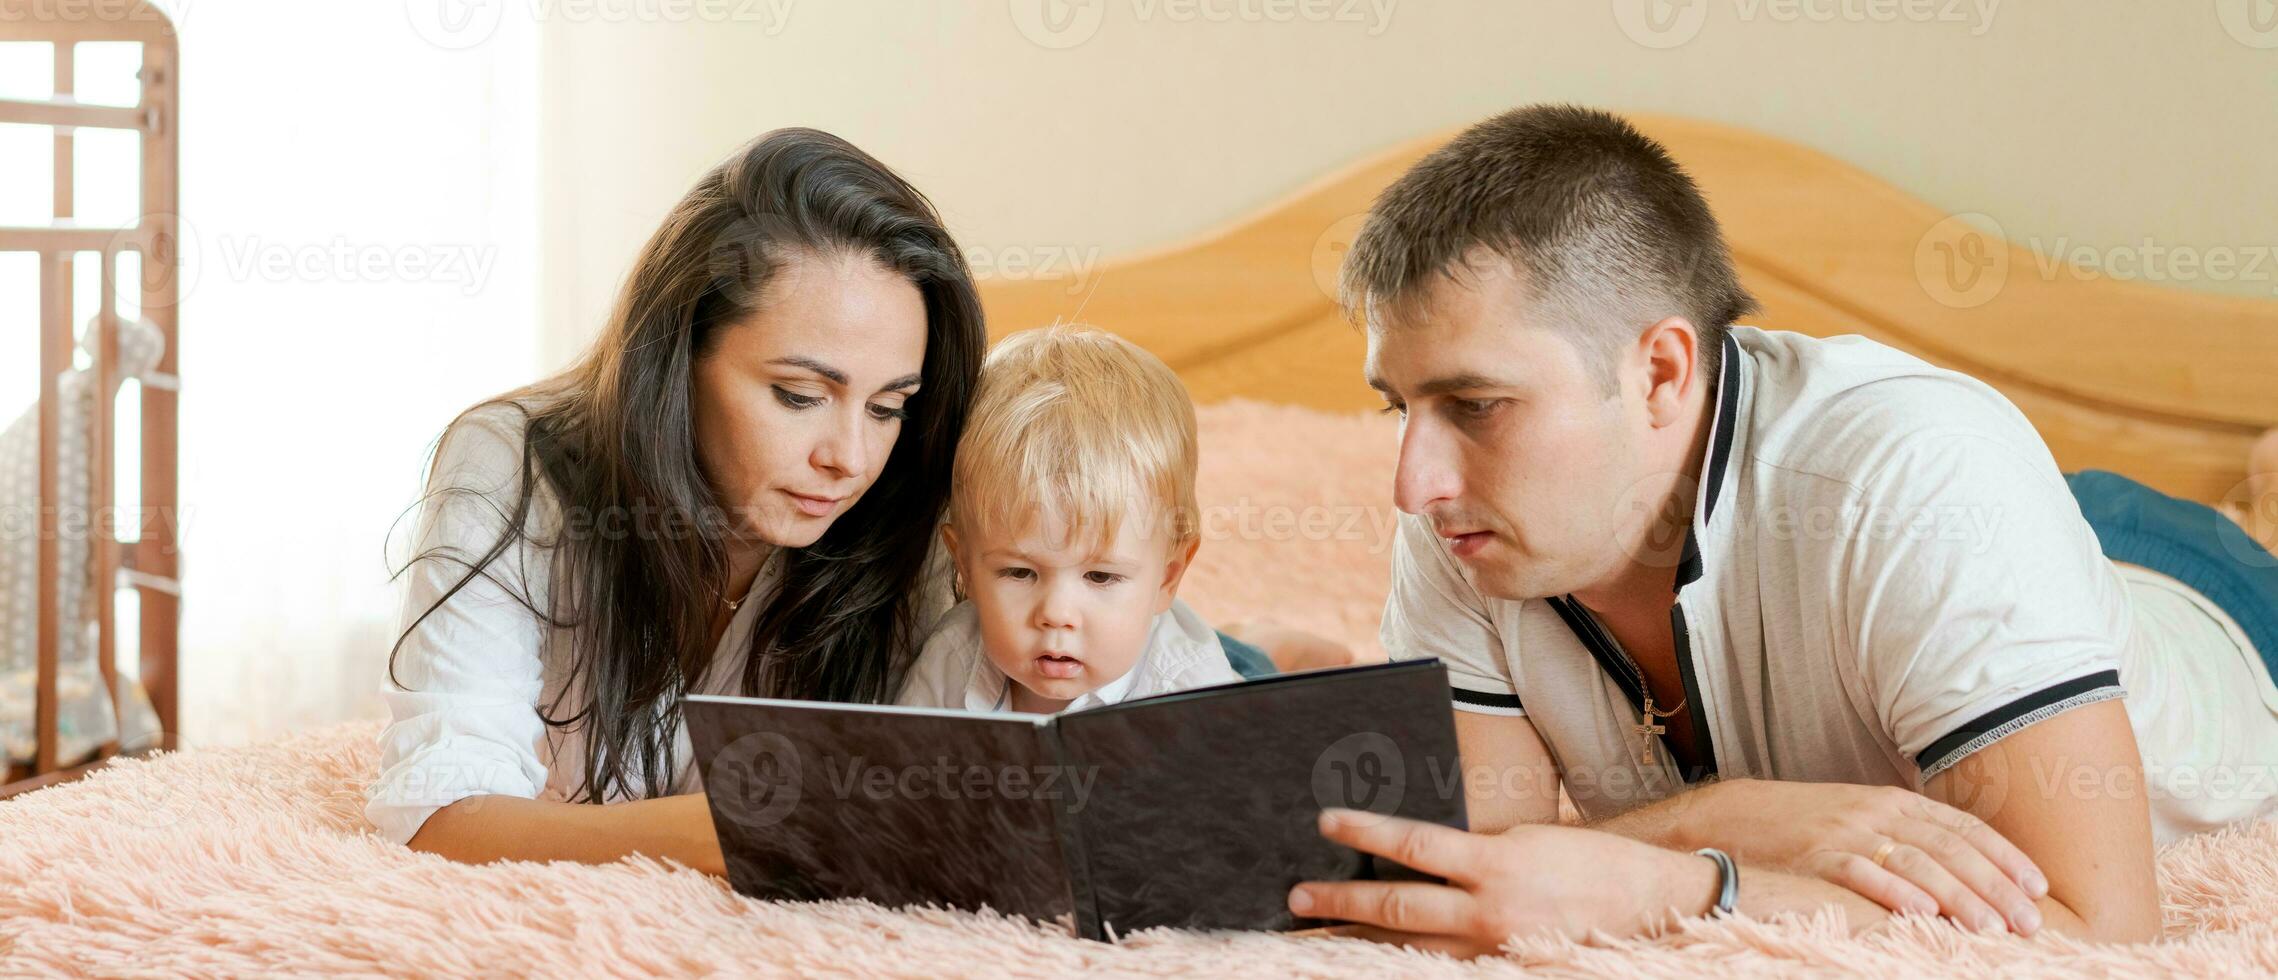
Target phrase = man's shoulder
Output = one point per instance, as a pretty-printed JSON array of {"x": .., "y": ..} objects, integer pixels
[{"x": 1842, "y": 413}]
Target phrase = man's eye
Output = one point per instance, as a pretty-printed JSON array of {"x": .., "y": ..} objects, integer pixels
[
  {"x": 794, "y": 400},
  {"x": 1470, "y": 409},
  {"x": 1102, "y": 578},
  {"x": 1392, "y": 408}
]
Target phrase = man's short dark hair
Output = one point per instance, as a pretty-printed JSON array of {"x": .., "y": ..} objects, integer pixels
[{"x": 1607, "y": 232}]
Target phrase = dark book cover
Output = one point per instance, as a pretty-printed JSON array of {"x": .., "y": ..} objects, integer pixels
[{"x": 1193, "y": 809}]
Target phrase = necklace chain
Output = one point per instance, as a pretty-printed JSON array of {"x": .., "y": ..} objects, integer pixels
[{"x": 725, "y": 601}]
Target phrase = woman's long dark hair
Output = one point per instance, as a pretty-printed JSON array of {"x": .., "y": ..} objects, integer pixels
[{"x": 612, "y": 436}]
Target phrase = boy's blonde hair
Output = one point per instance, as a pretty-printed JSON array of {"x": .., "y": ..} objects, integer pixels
[{"x": 1080, "y": 425}]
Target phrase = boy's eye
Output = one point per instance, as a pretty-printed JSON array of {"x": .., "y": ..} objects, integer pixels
[
  {"x": 1102, "y": 578},
  {"x": 794, "y": 400},
  {"x": 1016, "y": 574}
]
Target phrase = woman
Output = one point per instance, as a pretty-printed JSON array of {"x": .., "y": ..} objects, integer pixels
[{"x": 752, "y": 457}]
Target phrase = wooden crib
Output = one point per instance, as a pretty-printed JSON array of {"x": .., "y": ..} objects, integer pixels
[{"x": 150, "y": 564}]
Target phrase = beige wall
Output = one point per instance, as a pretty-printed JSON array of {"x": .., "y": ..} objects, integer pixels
[{"x": 2069, "y": 126}]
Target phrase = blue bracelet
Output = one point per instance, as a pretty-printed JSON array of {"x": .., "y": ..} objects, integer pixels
[{"x": 1728, "y": 881}]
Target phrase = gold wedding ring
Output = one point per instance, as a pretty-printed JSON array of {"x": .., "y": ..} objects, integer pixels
[{"x": 1882, "y": 854}]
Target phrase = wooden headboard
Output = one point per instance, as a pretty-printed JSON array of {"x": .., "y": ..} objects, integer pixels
[{"x": 2165, "y": 385}]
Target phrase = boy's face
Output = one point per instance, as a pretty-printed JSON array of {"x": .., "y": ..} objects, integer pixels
[{"x": 1057, "y": 617}]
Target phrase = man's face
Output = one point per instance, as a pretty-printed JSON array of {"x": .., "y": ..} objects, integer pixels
[{"x": 1509, "y": 442}]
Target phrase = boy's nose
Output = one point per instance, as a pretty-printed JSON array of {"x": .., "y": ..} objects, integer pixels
[{"x": 1056, "y": 613}]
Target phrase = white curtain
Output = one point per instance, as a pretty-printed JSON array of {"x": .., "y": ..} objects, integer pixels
[{"x": 361, "y": 194}]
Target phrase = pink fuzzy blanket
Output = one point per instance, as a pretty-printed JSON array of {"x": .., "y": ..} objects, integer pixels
[{"x": 258, "y": 860}]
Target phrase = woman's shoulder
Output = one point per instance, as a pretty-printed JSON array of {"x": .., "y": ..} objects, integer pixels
[
  {"x": 474, "y": 479},
  {"x": 486, "y": 439}
]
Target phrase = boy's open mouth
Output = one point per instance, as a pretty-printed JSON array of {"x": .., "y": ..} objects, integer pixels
[{"x": 1058, "y": 667}]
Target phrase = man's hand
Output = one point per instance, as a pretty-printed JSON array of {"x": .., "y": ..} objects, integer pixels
[
  {"x": 1934, "y": 859},
  {"x": 1529, "y": 880}
]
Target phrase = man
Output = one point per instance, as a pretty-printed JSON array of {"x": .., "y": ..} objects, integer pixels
[{"x": 1812, "y": 603}]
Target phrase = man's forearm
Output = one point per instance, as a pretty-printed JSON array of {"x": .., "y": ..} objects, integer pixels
[
  {"x": 1665, "y": 822},
  {"x": 1691, "y": 886}
]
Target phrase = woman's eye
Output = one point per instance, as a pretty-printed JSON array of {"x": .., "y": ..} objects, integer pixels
[
  {"x": 1102, "y": 578},
  {"x": 1016, "y": 574},
  {"x": 888, "y": 413},
  {"x": 794, "y": 400}
]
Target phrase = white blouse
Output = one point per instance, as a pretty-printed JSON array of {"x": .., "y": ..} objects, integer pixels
[{"x": 470, "y": 678}]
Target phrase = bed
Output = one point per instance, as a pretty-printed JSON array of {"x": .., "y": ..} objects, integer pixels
[
  {"x": 257, "y": 858},
  {"x": 2167, "y": 386},
  {"x": 66, "y": 706}
]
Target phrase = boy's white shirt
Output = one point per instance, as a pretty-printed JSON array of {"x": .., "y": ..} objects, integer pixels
[{"x": 1182, "y": 652}]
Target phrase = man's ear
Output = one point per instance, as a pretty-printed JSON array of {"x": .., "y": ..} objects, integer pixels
[
  {"x": 1182, "y": 558},
  {"x": 1672, "y": 366}
]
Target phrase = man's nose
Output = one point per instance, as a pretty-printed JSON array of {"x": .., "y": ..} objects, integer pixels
[{"x": 1426, "y": 473}]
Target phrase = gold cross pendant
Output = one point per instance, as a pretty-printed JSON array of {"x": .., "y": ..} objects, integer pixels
[{"x": 1646, "y": 729}]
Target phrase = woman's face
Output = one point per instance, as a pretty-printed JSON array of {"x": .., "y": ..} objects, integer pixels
[{"x": 796, "y": 407}]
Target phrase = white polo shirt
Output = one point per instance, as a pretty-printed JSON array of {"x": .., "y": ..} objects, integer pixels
[
  {"x": 1885, "y": 573},
  {"x": 1182, "y": 652}
]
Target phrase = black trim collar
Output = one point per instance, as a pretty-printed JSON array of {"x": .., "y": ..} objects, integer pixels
[{"x": 1719, "y": 458}]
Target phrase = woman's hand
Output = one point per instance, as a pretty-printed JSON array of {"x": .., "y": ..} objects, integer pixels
[
  {"x": 1899, "y": 849},
  {"x": 1535, "y": 879}
]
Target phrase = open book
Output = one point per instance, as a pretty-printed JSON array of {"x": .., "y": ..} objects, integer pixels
[{"x": 1195, "y": 808}]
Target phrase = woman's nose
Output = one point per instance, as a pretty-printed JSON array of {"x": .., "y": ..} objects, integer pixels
[{"x": 843, "y": 449}]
